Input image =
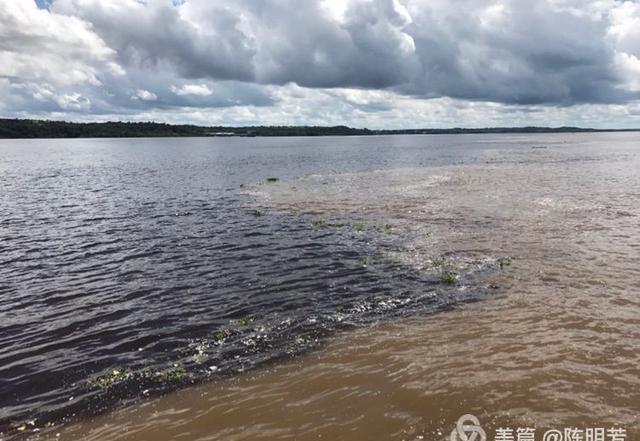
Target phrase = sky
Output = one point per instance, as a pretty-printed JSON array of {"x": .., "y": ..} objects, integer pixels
[{"x": 363, "y": 63}]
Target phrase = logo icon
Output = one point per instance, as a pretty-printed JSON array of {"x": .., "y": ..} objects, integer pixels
[{"x": 468, "y": 429}]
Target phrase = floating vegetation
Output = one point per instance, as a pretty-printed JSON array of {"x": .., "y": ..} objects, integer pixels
[
  {"x": 319, "y": 223},
  {"x": 294, "y": 210},
  {"x": 449, "y": 277},
  {"x": 387, "y": 229},
  {"x": 363, "y": 261},
  {"x": 273, "y": 179},
  {"x": 257, "y": 212},
  {"x": 244, "y": 321},
  {"x": 426, "y": 234},
  {"x": 221, "y": 335},
  {"x": 504, "y": 261},
  {"x": 111, "y": 378},
  {"x": 340, "y": 308},
  {"x": 358, "y": 227},
  {"x": 176, "y": 374},
  {"x": 437, "y": 262}
]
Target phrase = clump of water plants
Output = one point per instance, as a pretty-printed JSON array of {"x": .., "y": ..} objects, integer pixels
[
  {"x": 221, "y": 335},
  {"x": 257, "y": 212},
  {"x": 111, "y": 378},
  {"x": 387, "y": 229},
  {"x": 503, "y": 261},
  {"x": 358, "y": 226},
  {"x": 437, "y": 262},
  {"x": 273, "y": 179},
  {"x": 363, "y": 261},
  {"x": 178, "y": 373},
  {"x": 319, "y": 223},
  {"x": 340, "y": 309},
  {"x": 244, "y": 321},
  {"x": 426, "y": 234},
  {"x": 449, "y": 277}
]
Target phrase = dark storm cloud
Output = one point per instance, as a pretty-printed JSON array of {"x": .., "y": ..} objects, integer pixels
[
  {"x": 107, "y": 56},
  {"x": 510, "y": 51}
]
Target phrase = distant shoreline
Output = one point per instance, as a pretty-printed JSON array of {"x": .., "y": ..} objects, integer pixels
[{"x": 30, "y": 129}]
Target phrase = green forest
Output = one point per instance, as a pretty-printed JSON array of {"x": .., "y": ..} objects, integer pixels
[{"x": 28, "y": 128}]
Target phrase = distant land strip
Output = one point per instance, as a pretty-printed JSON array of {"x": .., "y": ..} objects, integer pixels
[{"x": 29, "y": 128}]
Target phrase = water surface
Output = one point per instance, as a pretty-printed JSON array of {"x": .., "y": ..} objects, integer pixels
[{"x": 133, "y": 267}]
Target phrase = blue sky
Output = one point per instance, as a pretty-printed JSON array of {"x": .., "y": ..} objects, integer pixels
[{"x": 365, "y": 63}]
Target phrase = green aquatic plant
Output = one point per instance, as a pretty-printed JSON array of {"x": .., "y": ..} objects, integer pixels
[
  {"x": 437, "y": 262},
  {"x": 358, "y": 226},
  {"x": 319, "y": 223},
  {"x": 220, "y": 335},
  {"x": 244, "y": 321},
  {"x": 176, "y": 374},
  {"x": 363, "y": 261},
  {"x": 387, "y": 229},
  {"x": 273, "y": 179},
  {"x": 449, "y": 277},
  {"x": 426, "y": 234},
  {"x": 257, "y": 212},
  {"x": 503, "y": 261},
  {"x": 111, "y": 378},
  {"x": 340, "y": 308}
]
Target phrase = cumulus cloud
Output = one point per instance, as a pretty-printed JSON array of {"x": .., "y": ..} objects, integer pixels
[
  {"x": 131, "y": 56},
  {"x": 144, "y": 95},
  {"x": 192, "y": 89},
  {"x": 36, "y": 45}
]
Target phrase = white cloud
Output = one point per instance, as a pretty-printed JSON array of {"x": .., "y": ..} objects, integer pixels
[
  {"x": 192, "y": 89},
  {"x": 41, "y": 46},
  {"x": 74, "y": 101},
  {"x": 144, "y": 95},
  {"x": 376, "y": 63}
]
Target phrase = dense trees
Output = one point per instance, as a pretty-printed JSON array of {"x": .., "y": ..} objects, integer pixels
[{"x": 27, "y": 128}]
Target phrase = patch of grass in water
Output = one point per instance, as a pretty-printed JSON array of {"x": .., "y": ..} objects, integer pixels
[
  {"x": 319, "y": 223},
  {"x": 363, "y": 261},
  {"x": 257, "y": 212},
  {"x": 358, "y": 226},
  {"x": 449, "y": 277},
  {"x": 221, "y": 335},
  {"x": 387, "y": 229},
  {"x": 339, "y": 308},
  {"x": 244, "y": 321},
  {"x": 111, "y": 378},
  {"x": 437, "y": 262},
  {"x": 176, "y": 374},
  {"x": 504, "y": 261}
]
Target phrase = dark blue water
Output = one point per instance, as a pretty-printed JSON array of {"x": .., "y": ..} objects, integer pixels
[{"x": 130, "y": 267}]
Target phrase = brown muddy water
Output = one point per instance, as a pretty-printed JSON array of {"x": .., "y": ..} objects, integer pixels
[{"x": 535, "y": 241}]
